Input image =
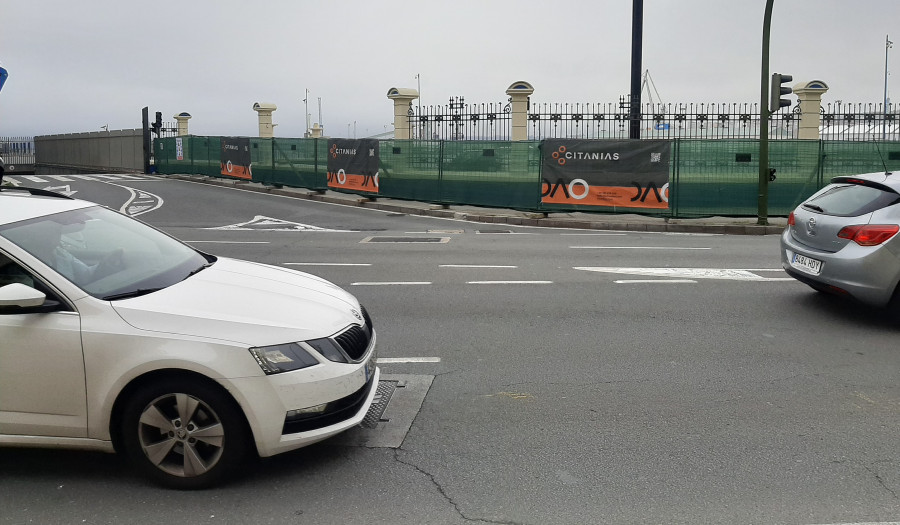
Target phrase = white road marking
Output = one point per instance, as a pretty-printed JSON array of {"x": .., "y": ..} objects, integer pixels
[
  {"x": 33, "y": 178},
  {"x": 634, "y": 248},
  {"x": 388, "y": 360},
  {"x": 390, "y": 283},
  {"x": 263, "y": 223},
  {"x": 229, "y": 242},
  {"x": 475, "y": 266},
  {"x": 61, "y": 178},
  {"x": 140, "y": 202},
  {"x": 687, "y": 273},
  {"x": 65, "y": 190},
  {"x": 593, "y": 234},
  {"x": 654, "y": 281},
  {"x": 324, "y": 264},
  {"x": 509, "y": 282}
]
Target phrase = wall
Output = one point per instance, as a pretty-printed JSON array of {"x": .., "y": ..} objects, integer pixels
[{"x": 95, "y": 152}]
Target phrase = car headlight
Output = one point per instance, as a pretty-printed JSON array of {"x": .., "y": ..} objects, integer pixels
[{"x": 282, "y": 358}]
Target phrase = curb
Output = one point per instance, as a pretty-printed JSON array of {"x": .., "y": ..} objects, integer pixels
[{"x": 527, "y": 219}]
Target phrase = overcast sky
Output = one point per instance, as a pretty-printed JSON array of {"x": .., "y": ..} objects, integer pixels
[{"x": 78, "y": 65}]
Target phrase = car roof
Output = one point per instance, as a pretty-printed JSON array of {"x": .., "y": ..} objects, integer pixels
[{"x": 18, "y": 206}]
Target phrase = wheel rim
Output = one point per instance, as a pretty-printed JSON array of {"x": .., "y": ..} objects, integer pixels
[{"x": 181, "y": 435}]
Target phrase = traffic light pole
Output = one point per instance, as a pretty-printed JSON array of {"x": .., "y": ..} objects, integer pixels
[{"x": 764, "y": 113}]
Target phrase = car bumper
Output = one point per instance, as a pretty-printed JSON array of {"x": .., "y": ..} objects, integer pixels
[
  {"x": 348, "y": 390},
  {"x": 867, "y": 273}
]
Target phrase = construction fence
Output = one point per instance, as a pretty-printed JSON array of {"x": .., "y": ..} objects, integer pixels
[{"x": 678, "y": 178}]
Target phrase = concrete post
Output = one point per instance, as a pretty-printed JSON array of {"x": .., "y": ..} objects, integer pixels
[
  {"x": 266, "y": 130},
  {"x": 518, "y": 93},
  {"x": 402, "y": 98},
  {"x": 182, "y": 119},
  {"x": 810, "y": 98}
]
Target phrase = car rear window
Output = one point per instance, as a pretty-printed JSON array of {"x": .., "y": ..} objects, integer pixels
[{"x": 851, "y": 200}]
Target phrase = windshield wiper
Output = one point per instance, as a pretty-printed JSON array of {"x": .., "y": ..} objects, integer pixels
[
  {"x": 133, "y": 293},
  {"x": 814, "y": 207},
  {"x": 198, "y": 270}
]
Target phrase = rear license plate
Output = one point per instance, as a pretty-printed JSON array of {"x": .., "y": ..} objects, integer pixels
[{"x": 806, "y": 264}]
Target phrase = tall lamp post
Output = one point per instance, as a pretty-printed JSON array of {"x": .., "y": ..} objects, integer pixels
[
  {"x": 762, "y": 202},
  {"x": 887, "y": 46}
]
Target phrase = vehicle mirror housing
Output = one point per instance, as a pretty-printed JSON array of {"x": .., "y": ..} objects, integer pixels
[{"x": 23, "y": 296}]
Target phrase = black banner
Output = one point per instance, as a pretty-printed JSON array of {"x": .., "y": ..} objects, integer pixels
[
  {"x": 615, "y": 173},
  {"x": 235, "y": 159},
  {"x": 353, "y": 164}
]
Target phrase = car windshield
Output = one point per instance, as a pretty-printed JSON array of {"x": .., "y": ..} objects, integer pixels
[
  {"x": 851, "y": 200},
  {"x": 106, "y": 254}
]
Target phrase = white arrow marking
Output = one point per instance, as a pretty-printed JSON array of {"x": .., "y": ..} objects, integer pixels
[
  {"x": 262, "y": 223},
  {"x": 65, "y": 190}
]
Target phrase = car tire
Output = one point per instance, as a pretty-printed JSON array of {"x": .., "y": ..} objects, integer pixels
[{"x": 198, "y": 453}]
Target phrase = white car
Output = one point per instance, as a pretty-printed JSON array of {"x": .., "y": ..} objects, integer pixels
[{"x": 117, "y": 337}]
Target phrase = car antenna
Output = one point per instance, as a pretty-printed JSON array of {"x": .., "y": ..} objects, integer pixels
[{"x": 881, "y": 158}]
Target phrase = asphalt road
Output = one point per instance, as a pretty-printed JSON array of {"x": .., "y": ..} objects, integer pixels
[{"x": 576, "y": 377}]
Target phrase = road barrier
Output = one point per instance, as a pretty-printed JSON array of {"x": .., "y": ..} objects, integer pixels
[{"x": 706, "y": 177}]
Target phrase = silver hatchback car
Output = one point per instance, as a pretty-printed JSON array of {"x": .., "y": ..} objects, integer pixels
[{"x": 843, "y": 239}]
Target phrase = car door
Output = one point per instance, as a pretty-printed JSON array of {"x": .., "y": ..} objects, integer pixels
[{"x": 42, "y": 383}]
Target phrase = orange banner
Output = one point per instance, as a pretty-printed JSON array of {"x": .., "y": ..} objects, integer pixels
[
  {"x": 578, "y": 192},
  {"x": 346, "y": 181}
]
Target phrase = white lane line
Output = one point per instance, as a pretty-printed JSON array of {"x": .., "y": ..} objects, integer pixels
[
  {"x": 387, "y": 360},
  {"x": 476, "y": 266},
  {"x": 654, "y": 281},
  {"x": 634, "y": 248},
  {"x": 324, "y": 264},
  {"x": 509, "y": 282},
  {"x": 594, "y": 234},
  {"x": 229, "y": 242},
  {"x": 61, "y": 178},
  {"x": 32, "y": 178},
  {"x": 390, "y": 283}
]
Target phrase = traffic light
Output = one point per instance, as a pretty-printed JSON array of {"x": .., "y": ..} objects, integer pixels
[
  {"x": 777, "y": 90},
  {"x": 157, "y": 125}
]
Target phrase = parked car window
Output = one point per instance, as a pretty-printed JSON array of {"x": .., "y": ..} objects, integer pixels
[
  {"x": 852, "y": 200},
  {"x": 105, "y": 253}
]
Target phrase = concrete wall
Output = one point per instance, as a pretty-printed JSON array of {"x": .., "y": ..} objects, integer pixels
[{"x": 95, "y": 152}]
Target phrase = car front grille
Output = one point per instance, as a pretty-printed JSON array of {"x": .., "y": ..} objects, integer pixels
[{"x": 355, "y": 341}]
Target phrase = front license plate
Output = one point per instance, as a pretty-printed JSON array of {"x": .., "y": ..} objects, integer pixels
[{"x": 807, "y": 264}]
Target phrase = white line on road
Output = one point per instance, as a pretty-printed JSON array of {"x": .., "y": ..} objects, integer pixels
[
  {"x": 475, "y": 266},
  {"x": 389, "y": 283},
  {"x": 654, "y": 281},
  {"x": 593, "y": 234},
  {"x": 686, "y": 273},
  {"x": 509, "y": 282},
  {"x": 324, "y": 264},
  {"x": 61, "y": 178},
  {"x": 230, "y": 242},
  {"x": 32, "y": 178},
  {"x": 634, "y": 248},
  {"x": 387, "y": 360}
]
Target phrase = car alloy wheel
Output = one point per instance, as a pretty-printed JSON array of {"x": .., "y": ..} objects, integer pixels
[{"x": 184, "y": 435}]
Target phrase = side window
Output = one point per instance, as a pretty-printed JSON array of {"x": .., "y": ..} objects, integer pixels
[{"x": 12, "y": 272}]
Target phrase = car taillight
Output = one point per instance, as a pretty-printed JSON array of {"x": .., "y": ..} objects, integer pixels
[
  {"x": 869, "y": 234},
  {"x": 791, "y": 221}
]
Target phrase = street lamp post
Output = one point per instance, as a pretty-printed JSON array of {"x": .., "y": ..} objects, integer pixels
[{"x": 887, "y": 46}]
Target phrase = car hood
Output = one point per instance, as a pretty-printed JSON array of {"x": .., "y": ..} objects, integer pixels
[{"x": 243, "y": 302}]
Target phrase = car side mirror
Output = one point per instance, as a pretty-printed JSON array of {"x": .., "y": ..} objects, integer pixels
[{"x": 23, "y": 296}]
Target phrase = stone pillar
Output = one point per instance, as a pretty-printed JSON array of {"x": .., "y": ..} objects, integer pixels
[
  {"x": 266, "y": 130},
  {"x": 402, "y": 98},
  {"x": 810, "y": 99},
  {"x": 316, "y": 131},
  {"x": 518, "y": 93},
  {"x": 182, "y": 119}
]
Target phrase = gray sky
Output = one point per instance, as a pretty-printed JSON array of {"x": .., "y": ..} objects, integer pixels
[{"x": 78, "y": 65}]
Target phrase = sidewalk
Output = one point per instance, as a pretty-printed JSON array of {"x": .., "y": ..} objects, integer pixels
[{"x": 574, "y": 220}]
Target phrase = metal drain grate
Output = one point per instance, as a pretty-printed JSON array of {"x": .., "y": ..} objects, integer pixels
[
  {"x": 437, "y": 240},
  {"x": 383, "y": 394}
]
